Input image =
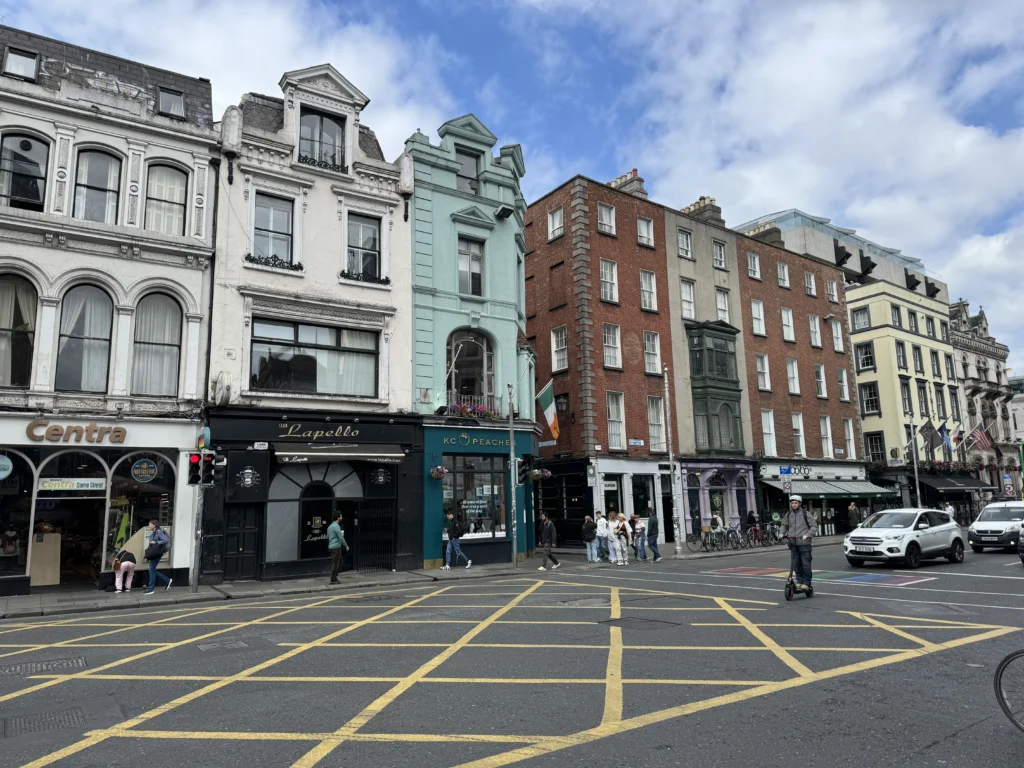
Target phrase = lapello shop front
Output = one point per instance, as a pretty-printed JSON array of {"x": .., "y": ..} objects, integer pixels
[
  {"x": 289, "y": 472},
  {"x": 74, "y": 491},
  {"x": 466, "y": 471}
]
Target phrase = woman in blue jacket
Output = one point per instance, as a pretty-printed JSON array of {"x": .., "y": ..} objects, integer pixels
[{"x": 159, "y": 543}]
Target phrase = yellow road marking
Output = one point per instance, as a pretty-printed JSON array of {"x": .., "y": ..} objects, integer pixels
[
  {"x": 656, "y": 592},
  {"x": 325, "y": 747},
  {"x": 926, "y": 644},
  {"x": 613, "y": 672},
  {"x": 465, "y": 738},
  {"x": 782, "y": 654},
  {"x": 945, "y": 623}
]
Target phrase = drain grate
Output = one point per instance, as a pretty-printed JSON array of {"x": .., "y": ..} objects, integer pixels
[
  {"x": 19, "y": 725},
  {"x": 224, "y": 645},
  {"x": 646, "y": 625},
  {"x": 38, "y": 667}
]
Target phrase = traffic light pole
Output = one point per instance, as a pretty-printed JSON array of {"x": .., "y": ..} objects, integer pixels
[
  {"x": 196, "y": 554},
  {"x": 515, "y": 479}
]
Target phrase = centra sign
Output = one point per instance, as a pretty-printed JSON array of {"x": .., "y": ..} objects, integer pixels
[{"x": 41, "y": 429}]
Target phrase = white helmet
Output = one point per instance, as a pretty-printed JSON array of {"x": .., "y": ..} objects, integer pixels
[{"x": 794, "y": 497}]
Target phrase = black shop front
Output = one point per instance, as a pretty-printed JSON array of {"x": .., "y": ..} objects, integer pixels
[{"x": 286, "y": 476}]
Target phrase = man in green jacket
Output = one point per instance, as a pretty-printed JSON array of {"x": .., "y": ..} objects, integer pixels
[{"x": 336, "y": 544}]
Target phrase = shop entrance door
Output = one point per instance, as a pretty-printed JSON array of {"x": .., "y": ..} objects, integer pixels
[
  {"x": 375, "y": 529},
  {"x": 242, "y": 536},
  {"x": 667, "y": 510}
]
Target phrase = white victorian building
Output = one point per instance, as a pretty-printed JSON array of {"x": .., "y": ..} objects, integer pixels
[
  {"x": 105, "y": 243},
  {"x": 311, "y": 352}
]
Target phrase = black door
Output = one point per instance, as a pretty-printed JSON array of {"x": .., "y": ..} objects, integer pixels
[
  {"x": 741, "y": 506},
  {"x": 667, "y": 511},
  {"x": 241, "y": 541},
  {"x": 374, "y": 534}
]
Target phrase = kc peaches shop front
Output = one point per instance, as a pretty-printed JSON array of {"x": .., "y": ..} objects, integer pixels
[{"x": 466, "y": 471}]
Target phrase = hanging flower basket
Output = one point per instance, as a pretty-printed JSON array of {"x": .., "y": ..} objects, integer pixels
[
  {"x": 539, "y": 474},
  {"x": 473, "y": 411},
  {"x": 438, "y": 472}
]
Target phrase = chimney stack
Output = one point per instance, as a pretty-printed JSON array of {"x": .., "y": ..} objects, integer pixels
[
  {"x": 767, "y": 233},
  {"x": 631, "y": 183},
  {"x": 705, "y": 209}
]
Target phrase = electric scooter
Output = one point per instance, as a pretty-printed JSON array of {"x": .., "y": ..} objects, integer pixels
[{"x": 791, "y": 580}]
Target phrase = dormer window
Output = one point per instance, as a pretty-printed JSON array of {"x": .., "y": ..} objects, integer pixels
[
  {"x": 322, "y": 141},
  {"x": 466, "y": 176},
  {"x": 172, "y": 103},
  {"x": 23, "y": 64}
]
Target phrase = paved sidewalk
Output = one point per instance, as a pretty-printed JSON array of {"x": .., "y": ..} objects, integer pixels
[{"x": 57, "y": 604}]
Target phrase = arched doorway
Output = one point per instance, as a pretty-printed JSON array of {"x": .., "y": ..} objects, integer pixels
[
  {"x": 470, "y": 363},
  {"x": 141, "y": 489},
  {"x": 741, "y": 499},
  {"x": 717, "y": 491},
  {"x": 17, "y": 479},
  {"x": 693, "y": 501}
]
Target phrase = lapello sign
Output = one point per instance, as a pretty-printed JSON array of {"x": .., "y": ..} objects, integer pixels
[{"x": 41, "y": 429}]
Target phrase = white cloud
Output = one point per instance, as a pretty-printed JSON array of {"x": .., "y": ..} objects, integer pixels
[
  {"x": 851, "y": 110},
  {"x": 246, "y": 45}
]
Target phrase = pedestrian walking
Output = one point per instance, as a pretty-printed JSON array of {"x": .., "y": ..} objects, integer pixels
[
  {"x": 623, "y": 537},
  {"x": 590, "y": 539},
  {"x": 652, "y": 535},
  {"x": 158, "y": 546},
  {"x": 124, "y": 570},
  {"x": 639, "y": 537},
  {"x": 455, "y": 531},
  {"x": 948, "y": 509},
  {"x": 799, "y": 528},
  {"x": 853, "y": 515},
  {"x": 337, "y": 546},
  {"x": 602, "y": 534},
  {"x": 548, "y": 540}
]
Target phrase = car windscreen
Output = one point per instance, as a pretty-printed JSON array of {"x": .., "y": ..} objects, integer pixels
[
  {"x": 890, "y": 520},
  {"x": 1001, "y": 515}
]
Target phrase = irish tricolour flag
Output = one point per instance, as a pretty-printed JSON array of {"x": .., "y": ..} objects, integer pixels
[{"x": 546, "y": 398}]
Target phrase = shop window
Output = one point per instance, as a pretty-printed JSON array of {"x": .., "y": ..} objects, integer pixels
[
  {"x": 471, "y": 364},
  {"x": 141, "y": 489},
  {"x": 83, "y": 351},
  {"x": 157, "y": 346},
  {"x": 71, "y": 504},
  {"x": 15, "y": 513},
  {"x": 17, "y": 331},
  {"x": 474, "y": 490}
]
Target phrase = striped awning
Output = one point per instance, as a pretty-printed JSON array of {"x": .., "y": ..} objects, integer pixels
[
  {"x": 862, "y": 489},
  {"x": 809, "y": 489}
]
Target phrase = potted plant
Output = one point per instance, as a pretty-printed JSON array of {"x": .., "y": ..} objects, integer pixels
[{"x": 438, "y": 472}]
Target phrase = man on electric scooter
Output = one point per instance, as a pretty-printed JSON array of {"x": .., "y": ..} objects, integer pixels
[{"x": 798, "y": 528}]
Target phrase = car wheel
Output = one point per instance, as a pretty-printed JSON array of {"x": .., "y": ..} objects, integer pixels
[
  {"x": 977, "y": 549},
  {"x": 912, "y": 558},
  {"x": 858, "y": 563},
  {"x": 956, "y": 552}
]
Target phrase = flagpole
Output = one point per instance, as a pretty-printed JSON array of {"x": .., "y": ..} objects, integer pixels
[{"x": 913, "y": 454}]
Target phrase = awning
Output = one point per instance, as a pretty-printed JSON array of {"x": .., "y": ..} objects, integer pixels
[
  {"x": 809, "y": 489},
  {"x": 955, "y": 484},
  {"x": 862, "y": 489},
  {"x": 310, "y": 453}
]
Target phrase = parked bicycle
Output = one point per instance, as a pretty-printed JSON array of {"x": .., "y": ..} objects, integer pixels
[{"x": 1009, "y": 684}]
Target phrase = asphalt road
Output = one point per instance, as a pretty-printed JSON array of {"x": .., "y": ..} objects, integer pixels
[{"x": 697, "y": 662}]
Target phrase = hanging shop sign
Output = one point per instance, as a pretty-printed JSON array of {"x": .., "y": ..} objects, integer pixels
[
  {"x": 72, "y": 484},
  {"x": 39, "y": 430},
  {"x": 144, "y": 471},
  {"x": 6, "y": 467}
]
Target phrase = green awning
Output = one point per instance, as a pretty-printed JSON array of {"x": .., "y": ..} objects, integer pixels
[
  {"x": 862, "y": 489},
  {"x": 809, "y": 489}
]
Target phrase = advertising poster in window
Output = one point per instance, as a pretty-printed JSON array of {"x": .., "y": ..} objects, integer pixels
[{"x": 314, "y": 531}]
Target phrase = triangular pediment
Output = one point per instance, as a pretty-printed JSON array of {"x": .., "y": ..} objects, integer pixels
[
  {"x": 473, "y": 215},
  {"x": 328, "y": 81},
  {"x": 468, "y": 127}
]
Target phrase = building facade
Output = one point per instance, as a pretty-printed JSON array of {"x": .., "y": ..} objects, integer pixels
[
  {"x": 1016, "y": 384},
  {"x": 107, "y": 185},
  {"x": 468, "y": 344},
  {"x": 310, "y": 376}
]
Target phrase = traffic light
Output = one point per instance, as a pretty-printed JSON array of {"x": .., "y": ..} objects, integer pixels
[
  {"x": 195, "y": 468},
  {"x": 522, "y": 471},
  {"x": 209, "y": 459},
  {"x": 220, "y": 465}
]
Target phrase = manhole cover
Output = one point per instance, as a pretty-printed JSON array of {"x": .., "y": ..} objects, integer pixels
[
  {"x": 45, "y": 721},
  {"x": 224, "y": 645},
  {"x": 632, "y": 622},
  {"x": 38, "y": 667}
]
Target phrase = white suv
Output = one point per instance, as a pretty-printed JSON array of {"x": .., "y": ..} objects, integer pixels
[
  {"x": 907, "y": 535},
  {"x": 997, "y": 526}
]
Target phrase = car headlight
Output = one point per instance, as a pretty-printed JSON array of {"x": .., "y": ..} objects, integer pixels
[
  {"x": 1013, "y": 527},
  {"x": 970, "y": 528},
  {"x": 894, "y": 536}
]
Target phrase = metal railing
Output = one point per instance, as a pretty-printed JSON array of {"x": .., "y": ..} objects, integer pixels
[{"x": 474, "y": 406}]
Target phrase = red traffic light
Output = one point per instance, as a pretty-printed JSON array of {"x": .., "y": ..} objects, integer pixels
[
  {"x": 194, "y": 458},
  {"x": 208, "y": 458}
]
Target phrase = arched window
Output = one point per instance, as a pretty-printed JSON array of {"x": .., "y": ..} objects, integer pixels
[
  {"x": 97, "y": 182},
  {"x": 165, "y": 200},
  {"x": 157, "y": 346},
  {"x": 726, "y": 434},
  {"x": 321, "y": 139},
  {"x": 83, "y": 352},
  {"x": 471, "y": 366},
  {"x": 17, "y": 330},
  {"x": 23, "y": 163}
]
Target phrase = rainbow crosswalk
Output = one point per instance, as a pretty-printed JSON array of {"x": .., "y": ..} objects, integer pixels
[{"x": 881, "y": 579}]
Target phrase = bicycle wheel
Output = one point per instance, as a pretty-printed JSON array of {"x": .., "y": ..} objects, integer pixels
[
  {"x": 1009, "y": 685},
  {"x": 694, "y": 542},
  {"x": 734, "y": 540}
]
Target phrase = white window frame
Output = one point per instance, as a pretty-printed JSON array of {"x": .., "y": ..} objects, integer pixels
[
  {"x": 753, "y": 265},
  {"x": 560, "y": 331},
  {"x": 649, "y": 241},
  {"x": 799, "y": 441},
  {"x": 810, "y": 284},
  {"x": 768, "y": 432},
  {"x": 656, "y": 439},
  {"x": 620, "y": 405},
  {"x": 284, "y": 193},
  {"x": 815, "y": 330},
  {"x": 613, "y": 293},
  {"x": 611, "y": 331},
  {"x": 606, "y": 227},
  {"x": 717, "y": 254},
  {"x": 788, "y": 331},
  {"x": 757, "y": 317},
  {"x": 837, "y": 336},
  {"x": 556, "y": 223},
  {"x": 764, "y": 377},
  {"x": 851, "y": 443},
  {"x": 652, "y": 339},
  {"x": 844, "y": 385},
  {"x": 832, "y": 288},
  {"x": 860, "y": 313},
  {"x": 783, "y": 272},
  {"x": 722, "y": 304},
  {"x": 793, "y": 375},
  {"x": 684, "y": 287},
  {"x": 651, "y": 292},
  {"x": 820, "y": 387},
  {"x": 825, "y": 423},
  {"x": 684, "y": 244}
]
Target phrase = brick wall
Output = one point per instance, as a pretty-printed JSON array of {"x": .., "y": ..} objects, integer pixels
[{"x": 778, "y": 399}]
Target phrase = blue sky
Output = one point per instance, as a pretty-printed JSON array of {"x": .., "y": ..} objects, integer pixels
[{"x": 904, "y": 120}]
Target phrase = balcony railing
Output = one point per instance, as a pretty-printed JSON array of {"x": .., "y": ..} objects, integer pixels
[{"x": 474, "y": 406}]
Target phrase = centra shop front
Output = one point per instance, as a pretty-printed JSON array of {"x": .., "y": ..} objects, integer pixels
[
  {"x": 466, "y": 472},
  {"x": 73, "y": 492}
]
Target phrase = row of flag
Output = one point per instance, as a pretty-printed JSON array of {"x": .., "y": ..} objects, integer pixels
[{"x": 978, "y": 437}]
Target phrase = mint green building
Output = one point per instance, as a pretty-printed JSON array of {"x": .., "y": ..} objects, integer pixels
[{"x": 469, "y": 341}]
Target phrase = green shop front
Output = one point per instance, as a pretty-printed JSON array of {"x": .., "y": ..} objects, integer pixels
[{"x": 466, "y": 472}]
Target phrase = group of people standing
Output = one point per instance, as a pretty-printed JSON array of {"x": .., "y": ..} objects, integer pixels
[{"x": 611, "y": 538}]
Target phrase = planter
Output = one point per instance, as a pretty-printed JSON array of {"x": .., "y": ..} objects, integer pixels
[
  {"x": 438, "y": 472},
  {"x": 539, "y": 474}
]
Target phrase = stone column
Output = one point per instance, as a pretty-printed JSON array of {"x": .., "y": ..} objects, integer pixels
[
  {"x": 193, "y": 341},
  {"x": 46, "y": 343},
  {"x": 136, "y": 216},
  {"x": 627, "y": 494},
  {"x": 63, "y": 168},
  {"x": 122, "y": 351}
]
